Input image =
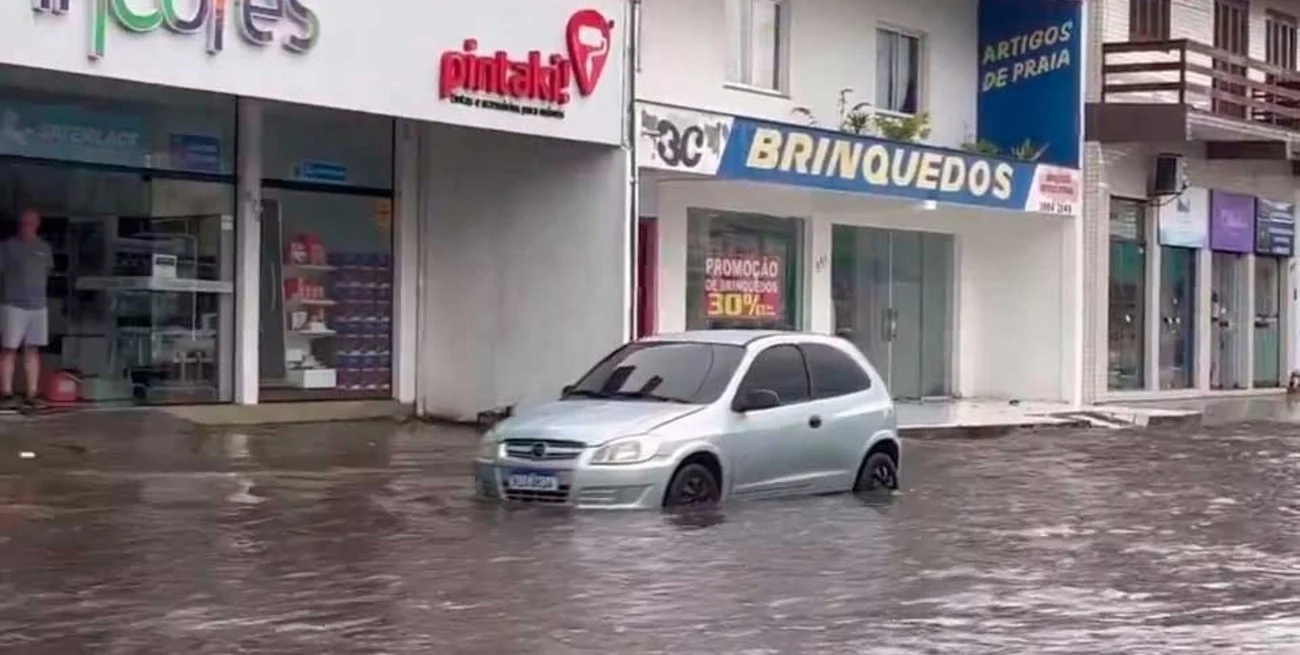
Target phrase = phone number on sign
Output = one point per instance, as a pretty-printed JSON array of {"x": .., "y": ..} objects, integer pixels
[
  {"x": 740, "y": 305},
  {"x": 1055, "y": 207}
]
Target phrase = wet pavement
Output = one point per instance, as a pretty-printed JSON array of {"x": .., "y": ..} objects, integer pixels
[{"x": 364, "y": 538}]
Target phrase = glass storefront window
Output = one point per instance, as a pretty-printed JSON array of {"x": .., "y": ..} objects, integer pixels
[
  {"x": 1127, "y": 304},
  {"x": 135, "y": 188},
  {"x": 1177, "y": 318},
  {"x": 1268, "y": 321},
  {"x": 139, "y": 299},
  {"x": 743, "y": 271},
  {"x": 327, "y": 271},
  {"x": 96, "y": 121}
]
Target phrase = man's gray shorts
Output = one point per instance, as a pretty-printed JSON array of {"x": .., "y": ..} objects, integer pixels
[{"x": 23, "y": 327}]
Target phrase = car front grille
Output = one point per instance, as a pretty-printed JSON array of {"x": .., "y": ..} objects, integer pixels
[
  {"x": 546, "y": 497},
  {"x": 543, "y": 450}
]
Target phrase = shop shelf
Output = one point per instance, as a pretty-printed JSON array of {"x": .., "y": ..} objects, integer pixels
[
  {"x": 312, "y": 333},
  {"x": 145, "y": 283},
  {"x": 311, "y": 302}
]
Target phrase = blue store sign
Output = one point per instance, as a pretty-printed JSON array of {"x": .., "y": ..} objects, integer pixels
[
  {"x": 1274, "y": 228},
  {"x": 72, "y": 133},
  {"x": 784, "y": 154},
  {"x": 195, "y": 152},
  {"x": 321, "y": 171},
  {"x": 1031, "y": 76}
]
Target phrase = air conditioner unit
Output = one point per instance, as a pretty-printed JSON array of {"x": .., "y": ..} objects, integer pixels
[{"x": 1169, "y": 176}]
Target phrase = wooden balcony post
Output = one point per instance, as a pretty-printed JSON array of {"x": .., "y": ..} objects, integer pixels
[{"x": 1182, "y": 72}]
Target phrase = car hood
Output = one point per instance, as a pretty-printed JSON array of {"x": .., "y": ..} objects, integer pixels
[{"x": 592, "y": 422}]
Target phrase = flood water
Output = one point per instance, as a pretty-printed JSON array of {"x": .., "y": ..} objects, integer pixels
[{"x": 142, "y": 536}]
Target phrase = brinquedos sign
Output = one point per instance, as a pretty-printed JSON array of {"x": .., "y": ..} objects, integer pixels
[
  {"x": 256, "y": 20},
  {"x": 535, "y": 85}
]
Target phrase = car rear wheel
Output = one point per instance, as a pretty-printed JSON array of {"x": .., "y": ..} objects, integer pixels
[
  {"x": 692, "y": 484},
  {"x": 879, "y": 472}
]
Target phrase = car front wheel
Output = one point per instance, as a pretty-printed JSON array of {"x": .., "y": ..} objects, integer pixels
[
  {"x": 692, "y": 484},
  {"x": 878, "y": 473}
]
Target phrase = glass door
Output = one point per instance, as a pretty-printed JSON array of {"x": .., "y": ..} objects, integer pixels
[
  {"x": 860, "y": 275},
  {"x": 1269, "y": 299},
  {"x": 893, "y": 298},
  {"x": 1177, "y": 318},
  {"x": 1226, "y": 327}
]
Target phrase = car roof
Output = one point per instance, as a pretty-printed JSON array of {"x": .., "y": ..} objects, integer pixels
[{"x": 732, "y": 337}]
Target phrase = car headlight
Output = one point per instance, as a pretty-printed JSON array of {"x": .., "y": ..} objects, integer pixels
[
  {"x": 488, "y": 446},
  {"x": 629, "y": 450}
]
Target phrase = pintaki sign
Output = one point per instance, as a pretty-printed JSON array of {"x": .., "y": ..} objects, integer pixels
[{"x": 537, "y": 83}]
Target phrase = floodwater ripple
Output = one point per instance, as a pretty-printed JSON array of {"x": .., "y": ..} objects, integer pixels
[{"x": 365, "y": 538}]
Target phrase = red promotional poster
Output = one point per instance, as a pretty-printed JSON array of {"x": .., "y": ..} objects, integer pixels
[{"x": 741, "y": 287}]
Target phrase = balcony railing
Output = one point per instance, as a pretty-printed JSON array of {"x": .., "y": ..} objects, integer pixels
[{"x": 1203, "y": 78}]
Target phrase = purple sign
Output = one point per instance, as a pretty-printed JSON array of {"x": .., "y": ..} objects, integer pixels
[{"x": 1232, "y": 222}]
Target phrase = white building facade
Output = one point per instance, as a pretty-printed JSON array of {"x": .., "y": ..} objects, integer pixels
[
  {"x": 1191, "y": 190},
  {"x": 292, "y": 200},
  {"x": 846, "y": 167}
]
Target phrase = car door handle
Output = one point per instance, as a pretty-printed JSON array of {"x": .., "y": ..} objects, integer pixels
[{"x": 815, "y": 422}]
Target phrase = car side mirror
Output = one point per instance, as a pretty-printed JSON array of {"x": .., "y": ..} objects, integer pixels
[
  {"x": 568, "y": 389},
  {"x": 756, "y": 399}
]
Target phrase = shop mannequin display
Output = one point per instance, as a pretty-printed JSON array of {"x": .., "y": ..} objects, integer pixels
[{"x": 25, "y": 264}]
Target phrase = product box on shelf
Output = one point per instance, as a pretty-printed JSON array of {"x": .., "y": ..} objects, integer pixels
[
  {"x": 293, "y": 287},
  {"x": 299, "y": 288},
  {"x": 316, "y": 253},
  {"x": 317, "y": 378},
  {"x": 295, "y": 251}
]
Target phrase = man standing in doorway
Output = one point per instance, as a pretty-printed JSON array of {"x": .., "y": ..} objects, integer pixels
[{"x": 25, "y": 264}]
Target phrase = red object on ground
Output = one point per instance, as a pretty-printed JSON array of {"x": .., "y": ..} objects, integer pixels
[{"x": 61, "y": 388}]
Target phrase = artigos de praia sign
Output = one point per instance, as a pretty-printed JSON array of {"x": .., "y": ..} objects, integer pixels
[
  {"x": 291, "y": 23},
  {"x": 534, "y": 83}
]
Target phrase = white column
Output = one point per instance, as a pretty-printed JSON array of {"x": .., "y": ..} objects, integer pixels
[
  {"x": 1154, "y": 315},
  {"x": 1287, "y": 319},
  {"x": 1204, "y": 314},
  {"x": 1246, "y": 314},
  {"x": 406, "y": 260},
  {"x": 1075, "y": 289},
  {"x": 673, "y": 237},
  {"x": 1095, "y": 220},
  {"x": 248, "y": 253},
  {"x": 819, "y": 303},
  {"x": 631, "y": 243}
]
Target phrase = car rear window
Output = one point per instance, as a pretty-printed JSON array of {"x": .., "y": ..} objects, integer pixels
[
  {"x": 779, "y": 369},
  {"x": 833, "y": 372}
]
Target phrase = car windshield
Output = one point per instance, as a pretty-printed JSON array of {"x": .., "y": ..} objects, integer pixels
[{"x": 676, "y": 372}]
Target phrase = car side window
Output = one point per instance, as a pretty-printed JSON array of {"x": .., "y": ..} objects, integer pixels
[
  {"x": 780, "y": 369},
  {"x": 833, "y": 372}
]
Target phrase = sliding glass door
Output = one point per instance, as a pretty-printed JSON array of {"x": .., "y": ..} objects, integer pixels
[{"x": 893, "y": 298}]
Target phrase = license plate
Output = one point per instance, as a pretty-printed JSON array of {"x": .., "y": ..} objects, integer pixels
[{"x": 533, "y": 481}]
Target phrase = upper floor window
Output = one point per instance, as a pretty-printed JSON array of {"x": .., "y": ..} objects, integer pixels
[
  {"x": 1148, "y": 20},
  {"x": 1280, "y": 39},
  {"x": 898, "y": 71},
  {"x": 756, "y": 33}
]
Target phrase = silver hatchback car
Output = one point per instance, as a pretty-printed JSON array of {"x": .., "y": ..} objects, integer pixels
[{"x": 699, "y": 417}]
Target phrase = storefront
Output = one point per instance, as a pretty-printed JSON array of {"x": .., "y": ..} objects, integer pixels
[
  {"x": 1199, "y": 281},
  {"x": 957, "y": 274},
  {"x": 272, "y": 204}
]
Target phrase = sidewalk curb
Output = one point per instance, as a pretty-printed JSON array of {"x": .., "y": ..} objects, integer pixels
[
  {"x": 1191, "y": 420},
  {"x": 977, "y": 432}
]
